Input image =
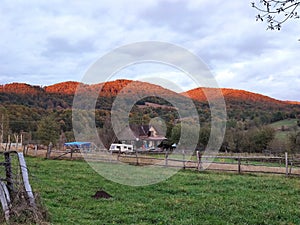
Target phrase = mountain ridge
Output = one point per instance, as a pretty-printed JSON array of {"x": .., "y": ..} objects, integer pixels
[
  {"x": 23, "y": 105},
  {"x": 112, "y": 88},
  {"x": 233, "y": 94}
]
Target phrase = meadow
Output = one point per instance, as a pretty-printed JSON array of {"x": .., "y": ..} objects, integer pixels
[
  {"x": 288, "y": 125},
  {"x": 189, "y": 197}
]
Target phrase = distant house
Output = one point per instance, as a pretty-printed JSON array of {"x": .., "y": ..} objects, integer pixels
[{"x": 141, "y": 136}]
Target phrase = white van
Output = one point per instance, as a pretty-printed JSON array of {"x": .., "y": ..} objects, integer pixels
[{"x": 123, "y": 148}]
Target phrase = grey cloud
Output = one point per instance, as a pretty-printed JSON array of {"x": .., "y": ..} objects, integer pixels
[
  {"x": 57, "y": 45},
  {"x": 58, "y": 42},
  {"x": 177, "y": 16}
]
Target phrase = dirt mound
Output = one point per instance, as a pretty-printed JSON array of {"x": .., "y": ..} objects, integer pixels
[{"x": 101, "y": 194}]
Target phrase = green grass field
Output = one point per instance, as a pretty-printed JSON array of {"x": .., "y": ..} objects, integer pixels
[
  {"x": 286, "y": 123},
  {"x": 189, "y": 197},
  {"x": 289, "y": 125}
]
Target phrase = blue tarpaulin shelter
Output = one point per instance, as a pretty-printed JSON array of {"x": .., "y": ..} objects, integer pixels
[{"x": 78, "y": 144}]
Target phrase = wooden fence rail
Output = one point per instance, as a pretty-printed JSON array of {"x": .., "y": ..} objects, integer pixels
[{"x": 287, "y": 165}]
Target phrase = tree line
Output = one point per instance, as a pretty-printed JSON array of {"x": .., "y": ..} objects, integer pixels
[{"x": 247, "y": 129}]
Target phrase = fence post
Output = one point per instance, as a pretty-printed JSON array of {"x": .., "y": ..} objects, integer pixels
[
  {"x": 137, "y": 158},
  {"x": 183, "y": 158},
  {"x": 286, "y": 164},
  {"x": 119, "y": 153},
  {"x": 239, "y": 165},
  {"x": 35, "y": 150},
  {"x": 27, "y": 186},
  {"x": 9, "y": 175},
  {"x": 166, "y": 158},
  {"x": 5, "y": 200},
  {"x": 111, "y": 155},
  {"x": 199, "y": 157},
  {"x": 24, "y": 149},
  {"x": 48, "y": 151}
]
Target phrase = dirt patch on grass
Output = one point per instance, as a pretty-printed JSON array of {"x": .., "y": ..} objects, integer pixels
[{"x": 101, "y": 194}]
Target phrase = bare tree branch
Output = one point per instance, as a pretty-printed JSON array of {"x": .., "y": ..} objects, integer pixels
[{"x": 276, "y": 12}]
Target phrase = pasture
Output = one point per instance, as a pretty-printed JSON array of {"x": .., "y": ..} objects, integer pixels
[
  {"x": 189, "y": 197},
  {"x": 284, "y": 128}
]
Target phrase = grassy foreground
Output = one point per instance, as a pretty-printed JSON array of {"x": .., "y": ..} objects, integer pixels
[{"x": 188, "y": 197}]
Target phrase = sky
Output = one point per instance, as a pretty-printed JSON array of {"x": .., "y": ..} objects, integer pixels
[{"x": 46, "y": 42}]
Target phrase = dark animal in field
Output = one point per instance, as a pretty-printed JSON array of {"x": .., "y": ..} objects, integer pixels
[{"x": 166, "y": 145}]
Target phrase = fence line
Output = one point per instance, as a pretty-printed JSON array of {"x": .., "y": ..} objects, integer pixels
[{"x": 233, "y": 163}]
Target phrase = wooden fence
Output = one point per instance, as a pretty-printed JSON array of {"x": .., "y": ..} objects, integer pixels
[
  {"x": 239, "y": 164},
  {"x": 288, "y": 165},
  {"x": 14, "y": 181}
]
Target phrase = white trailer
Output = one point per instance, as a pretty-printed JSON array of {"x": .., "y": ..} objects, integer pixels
[{"x": 122, "y": 148}]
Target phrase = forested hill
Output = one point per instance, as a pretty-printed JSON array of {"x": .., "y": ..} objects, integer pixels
[
  {"x": 233, "y": 95},
  {"x": 22, "y": 91},
  {"x": 244, "y": 105},
  {"x": 241, "y": 105}
]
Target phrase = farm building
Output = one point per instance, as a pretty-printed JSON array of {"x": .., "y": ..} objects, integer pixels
[{"x": 141, "y": 136}]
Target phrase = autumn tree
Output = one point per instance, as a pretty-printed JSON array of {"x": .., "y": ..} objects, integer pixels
[
  {"x": 186, "y": 139},
  {"x": 262, "y": 138},
  {"x": 276, "y": 12},
  {"x": 204, "y": 136},
  {"x": 278, "y": 146},
  {"x": 253, "y": 140},
  {"x": 48, "y": 130},
  {"x": 175, "y": 133}
]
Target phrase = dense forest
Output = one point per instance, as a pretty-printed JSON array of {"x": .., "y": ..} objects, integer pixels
[{"x": 44, "y": 114}]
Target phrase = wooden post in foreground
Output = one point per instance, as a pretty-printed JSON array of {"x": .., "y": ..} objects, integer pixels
[
  {"x": 5, "y": 200},
  {"x": 9, "y": 175},
  {"x": 27, "y": 186}
]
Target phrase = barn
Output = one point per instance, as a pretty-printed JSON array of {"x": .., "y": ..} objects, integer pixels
[{"x": 144, "y": 137}]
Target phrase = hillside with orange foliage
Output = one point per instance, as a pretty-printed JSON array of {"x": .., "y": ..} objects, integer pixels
[
  {"x": 199, "y": 94},
  {"x": 68, "y": 87},
  {"x": 138, "y": 89},
  {"x": 292, "y": 102},
  {"x": 127, "y": 88},
  {"x": 23, "y": 102},
  {"x": 133, "y": 88},
  {"x": 21, "y": 88}
]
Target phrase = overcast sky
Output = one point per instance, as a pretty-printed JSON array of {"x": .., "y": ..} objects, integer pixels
[{"x": 46, "y": 42}]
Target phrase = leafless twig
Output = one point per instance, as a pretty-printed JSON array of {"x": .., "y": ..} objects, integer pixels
[{"x": 276, "y": 12}]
